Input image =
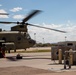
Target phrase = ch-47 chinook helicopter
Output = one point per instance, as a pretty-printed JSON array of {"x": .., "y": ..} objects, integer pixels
[
  {"x": 18, "y": 37},
  {"x": 4, "y": 14}
]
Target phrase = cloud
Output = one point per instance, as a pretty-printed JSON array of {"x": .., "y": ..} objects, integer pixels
[
  {"x": 16, "y": 9},
  {"x": 18, "y": 17},
  {"x": 53, "y": 36},
  {"x": 3, "y": 16},
  {"x": 0, "y": 5}
]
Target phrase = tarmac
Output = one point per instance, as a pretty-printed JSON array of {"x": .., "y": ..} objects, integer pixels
[{"x": 36, "y": 60}]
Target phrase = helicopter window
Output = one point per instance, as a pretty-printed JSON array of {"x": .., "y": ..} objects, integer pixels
[
  {"x": 27, "y": 36},
  {"x": 4, "y": 38},
  {"x": 19, "y": 38},
  {"x": 24, "y": 34}
]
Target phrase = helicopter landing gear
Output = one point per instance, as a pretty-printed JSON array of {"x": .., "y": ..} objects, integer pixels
[
  {"x": 25, "y": 49},
  {"x": 15, "y": 50},
  {"x": 8, "y": 51}
]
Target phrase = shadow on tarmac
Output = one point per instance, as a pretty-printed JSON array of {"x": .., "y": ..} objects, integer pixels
[{"x": 13, "y": 58}]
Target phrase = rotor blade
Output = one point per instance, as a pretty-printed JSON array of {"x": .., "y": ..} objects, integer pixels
[
  {"x": 4, "y": 14},
  {"x": 33, "y": 13},
  {"x": 8, "y": 22},
  {"x": 46, "y": 28}
]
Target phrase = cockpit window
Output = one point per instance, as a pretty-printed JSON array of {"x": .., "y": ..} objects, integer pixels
[{"x": 26, "y": 35}]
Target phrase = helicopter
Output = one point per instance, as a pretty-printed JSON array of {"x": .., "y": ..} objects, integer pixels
[
  {"x": 18, "y": 37},
  {"x": 4, "y": 14}
]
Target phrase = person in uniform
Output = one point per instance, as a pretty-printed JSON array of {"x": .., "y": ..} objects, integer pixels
[{"x": 3, "y": 50}]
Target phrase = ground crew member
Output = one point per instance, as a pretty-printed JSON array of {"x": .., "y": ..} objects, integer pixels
[
  {"x": 1, "y": 56},
  {"x": 0, "y": 49},
  {"x": 3, "y": 50}
]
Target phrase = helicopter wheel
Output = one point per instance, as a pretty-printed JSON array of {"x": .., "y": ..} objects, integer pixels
[
  {"x": 8, "y": 51},
  {"x": 15, "y": 50},
  {"x": 25, "y": 49}
]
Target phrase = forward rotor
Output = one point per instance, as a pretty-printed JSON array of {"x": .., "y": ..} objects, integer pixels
[{"x": 33, "y": 13}]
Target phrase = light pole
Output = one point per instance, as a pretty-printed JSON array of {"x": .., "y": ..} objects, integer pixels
[
  {"x": 35, "y": 36},
  {"x": 65, "y": 38}
]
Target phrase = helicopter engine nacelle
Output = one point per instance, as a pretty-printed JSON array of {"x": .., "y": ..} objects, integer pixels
[{"x": 21, "y": 28}]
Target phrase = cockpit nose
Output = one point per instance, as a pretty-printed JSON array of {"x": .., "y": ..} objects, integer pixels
[{"x": 32, "y": 42}]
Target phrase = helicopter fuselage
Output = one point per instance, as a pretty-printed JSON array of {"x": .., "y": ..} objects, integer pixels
[{"x": 21, "y": 40}]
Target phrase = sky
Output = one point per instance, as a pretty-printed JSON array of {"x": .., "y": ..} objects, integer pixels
[{"x": 56, "y": 14}]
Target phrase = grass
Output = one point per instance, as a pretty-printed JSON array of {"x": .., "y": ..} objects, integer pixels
[{"x": 33, "y": 51}]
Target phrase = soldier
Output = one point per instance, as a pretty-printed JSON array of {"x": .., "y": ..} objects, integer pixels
[
  {"x": 0, "y": 49},
  {"x": 3, "y": 49},
  {"x": 1, "y": 53}
]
